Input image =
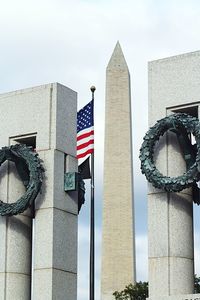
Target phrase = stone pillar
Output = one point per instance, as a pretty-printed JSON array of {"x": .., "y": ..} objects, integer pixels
[
  {"x": 118, "y": 244},
  {"x": 46, "y": 116},
  {"x": 56, "y": 214},
  {"x": 15, "y": 242},
  {"x": 174, "y": 86}
]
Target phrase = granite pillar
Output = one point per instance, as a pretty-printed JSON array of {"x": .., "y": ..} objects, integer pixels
[
  {"x": 46, "y": 117},
  {"x": 174, "y": 86}
]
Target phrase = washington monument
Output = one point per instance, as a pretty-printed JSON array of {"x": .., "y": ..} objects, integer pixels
[{"x": 118, "y": 244}]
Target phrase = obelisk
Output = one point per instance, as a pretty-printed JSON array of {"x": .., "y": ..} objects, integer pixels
[{"x": 118, "y": 245}]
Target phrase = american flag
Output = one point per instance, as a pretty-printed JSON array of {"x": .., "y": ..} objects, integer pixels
[{"x": 85, "y": 131}]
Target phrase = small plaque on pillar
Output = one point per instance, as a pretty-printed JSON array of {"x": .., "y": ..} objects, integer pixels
[{"x": 71, "y": 181}]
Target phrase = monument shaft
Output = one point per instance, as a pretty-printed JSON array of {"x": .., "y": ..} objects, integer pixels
[{"x": 118, "y": 256}]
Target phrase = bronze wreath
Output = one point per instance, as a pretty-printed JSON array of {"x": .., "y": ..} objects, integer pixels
[
  {"x": 178, "y": 122},
  {"x": 30, "y": 170}
]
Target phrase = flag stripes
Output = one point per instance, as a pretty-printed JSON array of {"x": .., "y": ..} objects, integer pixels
[
  {"x": 83, "y": 145},
  {"x": 89, "y": 151},
  {"x": 85, "y": 132},
  {"x": 84, "y": 135}
]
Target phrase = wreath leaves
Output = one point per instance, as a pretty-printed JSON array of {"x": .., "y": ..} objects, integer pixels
[
  {"x": 173, "y": 122},
  {"x": 25, "y": 159}
]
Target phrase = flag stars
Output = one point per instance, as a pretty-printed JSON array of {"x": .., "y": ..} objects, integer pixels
[{"x": 85, "y": 117}]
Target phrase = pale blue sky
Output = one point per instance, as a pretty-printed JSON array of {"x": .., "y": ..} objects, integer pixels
[{"x": 71, "y": 42}]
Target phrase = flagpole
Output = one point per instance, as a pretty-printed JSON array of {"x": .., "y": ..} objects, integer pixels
[{"x": 92, "y": 224}]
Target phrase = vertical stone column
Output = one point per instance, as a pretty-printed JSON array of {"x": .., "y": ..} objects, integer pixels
[
  {"x": 15, "y": 242},
  {"x": 55, "y": 262},
  {"x": 174, "y": 86},
  {"x": 19, "y": 243},
  {"x": 118, "y": 243},
  {"x": 47, "y": 113}
]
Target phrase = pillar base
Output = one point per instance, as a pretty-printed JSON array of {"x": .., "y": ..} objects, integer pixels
[{"x": 177, "y": 297}]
